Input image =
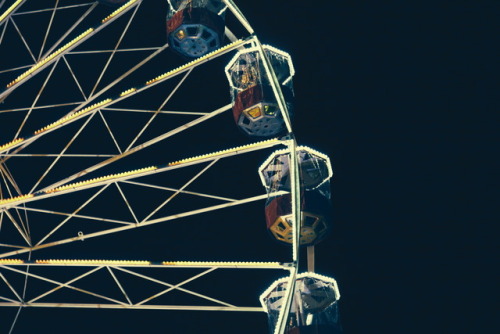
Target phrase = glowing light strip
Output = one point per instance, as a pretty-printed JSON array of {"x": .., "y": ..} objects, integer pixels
[
  {"x": 100, "y": 179},
  {"x": 221, "y": 264},
  {"x": 73, "y": 116},
  {"x": 195, "y": 62},
  {"x": 10, "y": 144},
  {"x": 11, "y": 9},
  {"x": 119, "y": 10},
  {"x": 15, "y": 199},
  {"x": 218, "y": 153},
  {"x": 93, "y": 262},
  {"x": 11, "y": 261},
  {"x": 51, "y": 57},
  {"x": 128, "y": 91}
]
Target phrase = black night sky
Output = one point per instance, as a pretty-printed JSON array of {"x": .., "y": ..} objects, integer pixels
[{"x": 399, "y": 94}]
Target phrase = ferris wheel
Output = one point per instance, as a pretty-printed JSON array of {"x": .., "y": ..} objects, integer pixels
[{"x": 144, "y": 148}]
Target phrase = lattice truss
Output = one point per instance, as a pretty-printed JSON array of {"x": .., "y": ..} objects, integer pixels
[
  {"x": 113, "y": 284},
  {"x": 97, "y": 137}
]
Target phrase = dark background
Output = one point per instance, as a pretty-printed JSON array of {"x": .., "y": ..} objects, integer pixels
[{"x": 400, "y": 96}]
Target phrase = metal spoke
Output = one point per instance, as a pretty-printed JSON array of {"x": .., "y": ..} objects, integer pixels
[
  {"x": 147, "y": 264},
  {"x": 10, "y": 287},
  {"x": 64, "y": 285},
  {"x": 119, "y": 285},
  {"x": 13, "y": 69},
  {"x": 22, "y": 38},
  {"x": 140, "y": 307},
  {"x": 47, "y": 32},
  {"x": 225, "y": 199},
  {"x": 115, "y": 51},
  {"x": 11, "y": 246},
  {"x": 181, "y": 189},
  {"x": 166, "y": 112},
  {"x": 176, "y": 287},
  {"x": 41, "y": 107},
  {"x": 10, "y": 11},
  {"x": 3, "y": 33},
  {"x": 73, "y": 214},
  {"x": 5, "y": 172},
  {"x": 74, "y": 78},
  {"x": 127, "y": 203},
  {"x": 110, "y": 132},
  {"x": 21, "y": 231},
  {"x": 116, "y": 47},
  {"x": 161, "y": 107},
  {"x": 71, "y": 29},
  {"x": 84, "y": 125},
  {"x": 23, "y": 295},
  {"x": 7, "y": 176},
  {"x": 36, "y": 100},
  {"x": 7, "y": 299},
  {"x": 22, "y": 155},
  {"x": 50, "y": 9}
]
